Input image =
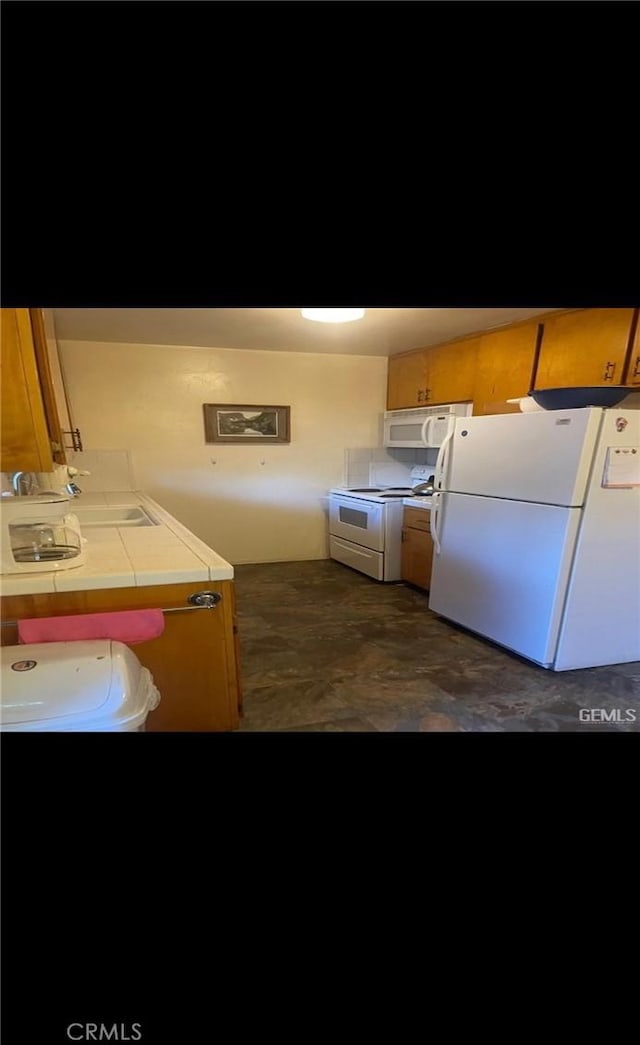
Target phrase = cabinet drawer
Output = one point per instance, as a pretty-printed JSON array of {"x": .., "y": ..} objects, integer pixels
[
  {"x": 363, "y": 559},
  {"x": 417, "y": 518}
]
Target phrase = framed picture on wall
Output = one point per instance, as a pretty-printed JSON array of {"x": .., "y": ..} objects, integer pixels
[{"x": 228, "y": 423}]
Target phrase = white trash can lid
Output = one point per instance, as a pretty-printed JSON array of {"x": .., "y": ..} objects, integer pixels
[{"x": 93, "y": 685}]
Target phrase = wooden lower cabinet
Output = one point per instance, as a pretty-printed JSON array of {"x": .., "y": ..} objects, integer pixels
[
  {"x": 194, "y": 662},
  {"x": 417, "y": 547}
]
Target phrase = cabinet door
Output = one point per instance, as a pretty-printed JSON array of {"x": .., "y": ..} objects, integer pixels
[
  {"x": 586, "y": 347},
  {"x": 47, "y": 386},
  {"x": 194, "y": 662},
  {"x": 417, "y": 557},
  {"x": 633, "y": 370},
  {"x": 193, "y": 665},
  {"x": 504, "y": 368},
  {"x": 24, "y": 432},
  {"x": 407, "y": 382},
  {"x": 451, "y": 371}
]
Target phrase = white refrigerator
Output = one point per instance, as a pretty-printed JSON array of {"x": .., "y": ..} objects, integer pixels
[{"x": 536, "y": 526}]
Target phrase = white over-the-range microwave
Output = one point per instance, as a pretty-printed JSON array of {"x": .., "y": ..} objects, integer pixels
[{"x": 423, "y": 426}]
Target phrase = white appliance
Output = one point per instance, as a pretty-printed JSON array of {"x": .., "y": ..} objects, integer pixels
[
  {"x": 536, "y": 527},
  {"x": 94, "y": 686},
  {"x": 365, "y": 526},
  {"x": 423, "y": 426},
  {"x": 39, "y": 533}
]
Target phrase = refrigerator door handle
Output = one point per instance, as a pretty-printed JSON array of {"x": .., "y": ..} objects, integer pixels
[
  {"x": 442, "y": 453},
  {"x": 435, "y": 519}
]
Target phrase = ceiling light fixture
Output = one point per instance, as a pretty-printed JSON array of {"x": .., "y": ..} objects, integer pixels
[{"x": 333, "y": 315}]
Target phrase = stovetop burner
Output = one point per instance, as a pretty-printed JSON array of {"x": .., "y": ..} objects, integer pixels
[{"x": 383, "y": 491}]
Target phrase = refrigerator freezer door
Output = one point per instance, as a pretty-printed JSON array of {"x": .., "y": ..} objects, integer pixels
[
  {"x": 540, "y": 457},
  {"x": 503, "y": 570}
]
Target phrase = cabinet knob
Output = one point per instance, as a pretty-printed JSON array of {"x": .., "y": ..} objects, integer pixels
[
  {"x": 204, "y": 598},
  {"x": 636, "y": 369}
]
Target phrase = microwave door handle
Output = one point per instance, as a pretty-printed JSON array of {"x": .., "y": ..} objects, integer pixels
[
  {"x": 442, "y": 452},
  {"x": 435, "y": 519},
  {"x": 425, "y": 429}
]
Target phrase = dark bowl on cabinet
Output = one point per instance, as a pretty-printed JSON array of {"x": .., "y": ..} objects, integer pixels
[{"x": 574, "y": 398}]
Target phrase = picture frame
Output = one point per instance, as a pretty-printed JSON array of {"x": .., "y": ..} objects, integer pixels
[{"x": 245, "y": 424}]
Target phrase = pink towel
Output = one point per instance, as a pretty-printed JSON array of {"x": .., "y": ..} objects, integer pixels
[{"x": 128, "y": 626}]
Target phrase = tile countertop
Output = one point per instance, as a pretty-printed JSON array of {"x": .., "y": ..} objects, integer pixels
[
  {"x": 128, "y": 557},
  {"x": 417, "y": 502}
]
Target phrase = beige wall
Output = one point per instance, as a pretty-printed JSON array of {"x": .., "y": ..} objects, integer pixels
[{"x": 254, "y": 504}]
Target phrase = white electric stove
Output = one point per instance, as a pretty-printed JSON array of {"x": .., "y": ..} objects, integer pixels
[{"x": 365, "y": 525}]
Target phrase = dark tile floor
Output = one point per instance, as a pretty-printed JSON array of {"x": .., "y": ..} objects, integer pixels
[{"x": 325, "y": 649}]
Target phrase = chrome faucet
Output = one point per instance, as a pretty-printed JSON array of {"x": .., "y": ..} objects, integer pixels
[{"x": 16, "y": 482}]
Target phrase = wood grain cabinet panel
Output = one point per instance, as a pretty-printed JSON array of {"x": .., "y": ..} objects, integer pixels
[
  {"x": 194, "y": 662},
  {"x": 25, "y": 438},
  {"x": 586, "y": 347},
  {"x": 451, "y": 371},
  {"x": 54, "y": 410},
  {"x": 417, "y": 518},
  {"x": 433, "y": 375},
  {"x": 407, "y": 381},
  {"x": 417, "y": 548},
  {"x": 504, "y": 369},
  {"x": 633, "y": 369}
]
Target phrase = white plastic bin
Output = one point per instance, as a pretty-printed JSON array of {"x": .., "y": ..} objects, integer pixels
[{"x": 93, "y": 686}]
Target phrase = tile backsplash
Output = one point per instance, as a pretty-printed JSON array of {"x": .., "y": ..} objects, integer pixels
[
  {"x": 390, "y": 466},
  {"x": 111, "y": 470}
]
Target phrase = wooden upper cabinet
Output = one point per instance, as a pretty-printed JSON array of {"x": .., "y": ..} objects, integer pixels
[
  {"x": 429, "y": 376},
  {"x": 586, "y": 347},
  {"x": 53, "y": 399},
  {"x": 504, "y": 367},
  {"x": 451, "y": 371},
  {"x": 24, "y": 428},
  {"x": 633, "y": 369},
  {"x": 407, "y": 381}
]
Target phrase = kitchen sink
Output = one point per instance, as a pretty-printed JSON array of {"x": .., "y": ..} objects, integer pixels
[{"x": 114, "y": 516}]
